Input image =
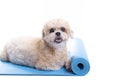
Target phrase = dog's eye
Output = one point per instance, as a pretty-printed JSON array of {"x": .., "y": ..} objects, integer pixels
[
  {"x": 63, "y": 29},
  {"x": 52, "y": 30}
]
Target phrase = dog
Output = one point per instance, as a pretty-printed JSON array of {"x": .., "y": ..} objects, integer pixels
[{"x": 46, "y": 53}]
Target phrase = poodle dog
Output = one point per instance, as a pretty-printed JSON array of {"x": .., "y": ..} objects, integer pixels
[{"x": 47, "y": 53}]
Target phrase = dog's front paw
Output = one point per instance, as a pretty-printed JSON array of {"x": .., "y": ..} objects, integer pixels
[
  {"x": 68, "y": 68},
  {"x": 68, "y": 65}
]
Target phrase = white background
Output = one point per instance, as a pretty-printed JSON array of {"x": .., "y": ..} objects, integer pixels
[{"x": 96, "y": 22}]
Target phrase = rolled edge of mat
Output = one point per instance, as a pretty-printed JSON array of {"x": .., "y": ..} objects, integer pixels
[{"x": 80, "y": 66}]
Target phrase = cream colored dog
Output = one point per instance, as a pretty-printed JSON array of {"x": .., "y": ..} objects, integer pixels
[{"x": 48, "y": 53}]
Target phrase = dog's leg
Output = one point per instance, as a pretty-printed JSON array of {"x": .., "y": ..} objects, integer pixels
[
  {"x": 68, "y": 64},
  {"x": 3, "y": 55}
]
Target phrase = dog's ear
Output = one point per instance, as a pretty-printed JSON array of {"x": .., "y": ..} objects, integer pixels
[
  {"x": 71, "y": 34},
  {"x": 43, "y": 33}
]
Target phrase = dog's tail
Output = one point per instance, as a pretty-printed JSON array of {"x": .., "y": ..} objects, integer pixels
[{"x": 3, "y": 55}]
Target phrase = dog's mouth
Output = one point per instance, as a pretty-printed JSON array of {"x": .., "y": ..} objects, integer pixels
[{"x": 58, "y": 40}]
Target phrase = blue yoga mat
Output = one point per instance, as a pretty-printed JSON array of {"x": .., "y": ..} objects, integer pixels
[{"x": 79, "y": 64}]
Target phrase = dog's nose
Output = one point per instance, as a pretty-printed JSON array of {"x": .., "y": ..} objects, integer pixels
[{"x": 57, "y": 33}]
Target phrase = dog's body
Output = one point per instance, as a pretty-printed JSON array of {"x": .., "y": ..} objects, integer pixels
[{"x": 48, "y": 53}]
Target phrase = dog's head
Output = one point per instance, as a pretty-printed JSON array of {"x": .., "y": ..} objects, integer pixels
[{"x": 56, "y": 32}]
